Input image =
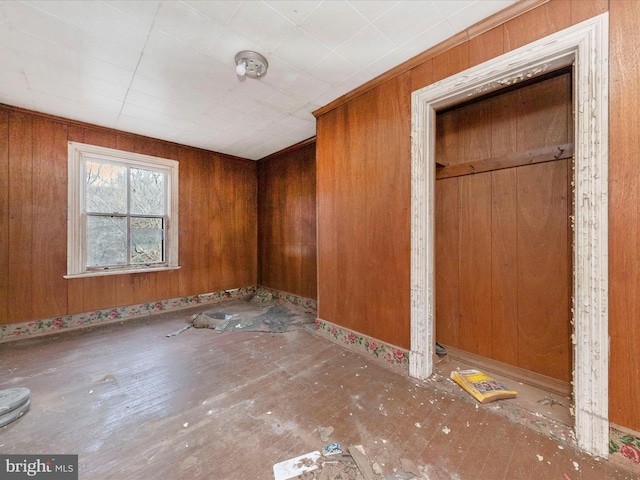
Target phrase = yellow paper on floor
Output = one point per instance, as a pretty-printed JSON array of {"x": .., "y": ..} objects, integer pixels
[{"x": 480, "y": 386}]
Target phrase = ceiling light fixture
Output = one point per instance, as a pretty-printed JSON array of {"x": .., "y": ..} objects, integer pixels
[{"x": 251, "y": 64}]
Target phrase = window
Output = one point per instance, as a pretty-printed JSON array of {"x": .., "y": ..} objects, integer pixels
[{"x": 123, "y": 212}]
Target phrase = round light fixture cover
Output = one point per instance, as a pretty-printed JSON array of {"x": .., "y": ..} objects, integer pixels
[{"x": 251, "y": 64}]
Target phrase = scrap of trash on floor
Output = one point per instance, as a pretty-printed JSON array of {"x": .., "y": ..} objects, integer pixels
[
  {"x": 333, "y": 462},
  {"x": 259, "y": 313}
]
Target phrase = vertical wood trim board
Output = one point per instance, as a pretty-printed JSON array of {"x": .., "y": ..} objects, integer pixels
[{"x": 585, "y": 46}]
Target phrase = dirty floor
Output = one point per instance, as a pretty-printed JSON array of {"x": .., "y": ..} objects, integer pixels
[{"x": 134, "y": 403}]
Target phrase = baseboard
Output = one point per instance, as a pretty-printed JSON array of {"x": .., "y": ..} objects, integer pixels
[
  {"x": 388, "y": 355},
  {"x": 45, "y": 326},
  {"x": 520, "y": 374},
  {"x": 293, "y": 299},
  {"x": 15, "y": 331}
]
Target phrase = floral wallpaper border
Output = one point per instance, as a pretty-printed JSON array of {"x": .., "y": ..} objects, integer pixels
[
  {"x": 624, "y": 449},
  {"x": 51, "y": 325},
  {"x": 295, "y": 300},
  {"x": 394, "y": 356}
]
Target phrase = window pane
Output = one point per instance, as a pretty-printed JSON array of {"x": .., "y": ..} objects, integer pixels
[
  {"x": 147, "y": 192},
  {"x": 106, "y": 241},
  {"x": 147, "y": 236},
  {"x": 106, "y": 187}
]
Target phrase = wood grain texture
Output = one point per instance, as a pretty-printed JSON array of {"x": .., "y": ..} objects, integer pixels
[
  {"x": 504, "y": 124},
  {"x": 353, "y": 288},
  {"x": 543, "y": 113},
  {"x": 584, "y": 9},
  {"x": 504, "y": 266},
  {"x": 388, "y": 178},
  {"x": 475, "y": 329},
  {"x": 329, "y": 153},
  {"x": 49, "y": 245},
  {"x": 20, "y": 221},
  {"x": 447, "y": 143},
  {"x": 543, "y": 270},
  {"x": 363, "y": 182},
  {"x": 218, "y": 210},
  {"x": 486, "y": 46},
  {"x": 450, "y": 62},
  {"x": 287, "y": 221},
  {"x": 537, "y": 23},
  {"x": 624, "y": 213},
  {"x": 4, "y": 215},
  {"x": 422, "y": 75},
  {"x": 447, "y": 251},
  {"x": 475, "y": 138}
]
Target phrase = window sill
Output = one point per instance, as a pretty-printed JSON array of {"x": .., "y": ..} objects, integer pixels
[{"x": 103, "y": 273}]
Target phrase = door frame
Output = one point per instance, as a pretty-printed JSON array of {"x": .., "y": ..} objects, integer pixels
[{"x": 585, "y": 46}]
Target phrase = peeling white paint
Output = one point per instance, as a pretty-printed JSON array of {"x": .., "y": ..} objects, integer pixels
[{"x": 585, "y": 46}]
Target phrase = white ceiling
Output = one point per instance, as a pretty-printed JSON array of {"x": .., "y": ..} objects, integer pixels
[{"x": 166, "y": 69}]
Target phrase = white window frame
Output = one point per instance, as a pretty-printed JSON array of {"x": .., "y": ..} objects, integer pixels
[
  {"x": 586, "y": 47},
  {"x": 76, "y": 218}
]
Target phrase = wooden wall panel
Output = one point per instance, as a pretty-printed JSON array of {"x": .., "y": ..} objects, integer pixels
[
  {"x": 447, "y": 144},
  {"x": 475, "y": 139},
  {"x": 388, "y": 234},
  {"x": 475, "y": 264},
  {"x": 624, "y": 213},
  {"x": 486, "y": 46},
  {"x": 447, "y": 251},
  {"x": 504, "y": 124},
  {"x": 219, "y": 225},
  {"x": 329, "y": 153},
  {"x": 543, "y": 112},
  {"x": 75, "y": 296},
  {"x": 450, "y": 62},
  {"x": 20, "y": 221},
  {"x": 504, "y": 266},
  {"x": 422, "y": 75},
  {"x": 363, "y": 241},
  {"x": 308, "y": 239},
  {"x": 287, "y": 221},
  {"x": 218, "y": 218},
  {"x": 585, "y": 9},
  {"x": 4, "y": 215},
  {"x": 246, "y": 233},
  {"x": 125, "y": 289},
  {"x": 49, "y": 228},
  {"x": 98, "y": 293},
  {"x": 537, "y": 23},
  {"x": 144, "y": 287},
  {"x": 188, "y": 247},
  {"x": 351, "y": 204},
  {"x": 543, "y": 270}
]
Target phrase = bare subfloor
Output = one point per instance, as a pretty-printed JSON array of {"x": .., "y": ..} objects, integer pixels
[{"x": 136, "y": 404}]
